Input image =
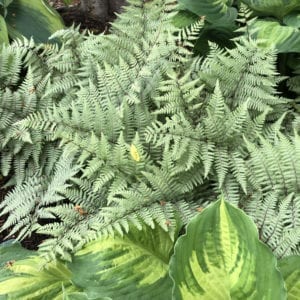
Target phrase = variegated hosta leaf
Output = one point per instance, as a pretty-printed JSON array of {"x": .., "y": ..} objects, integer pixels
[
  {"x": 273, "y": 34},
  {"x": 131, "y": 267},
  {"x": 277, "y": 8},
  {"x": 9, "y": 253},
  {"x": 221, "y": 257},
  {"x": 80, "y": 296},
  {"x": 290, "y": 270},
  {"x": 31, "y": 278}
]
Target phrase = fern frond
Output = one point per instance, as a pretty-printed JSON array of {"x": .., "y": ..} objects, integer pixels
[
  {"x": 273, "y": 173},
  {"x": 143, "y": 132},
  {"x": 27, "y": 204}
]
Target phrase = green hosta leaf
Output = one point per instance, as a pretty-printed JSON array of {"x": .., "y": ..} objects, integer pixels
[
  {"x": 214, "y": 11},
  {"x": 76, "y": 296},
  {"x": 277, "y": 8},
  {"x": 290, "y": 270},
  {"x": 131, "y": 267},
  {"x": 11, "y": 251},
  {"x": 292, "y": 20},
  {"x": 272, "y": 34},
  {"x": 31, "y": 278},
  {"x": 184, "y": 18},
  {"x": 221, "y": 257},
  {"x": 32, "y": 18},
  {"x": 3, "y": 31}
]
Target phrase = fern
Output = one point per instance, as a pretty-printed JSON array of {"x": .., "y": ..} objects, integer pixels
[
  {"x": 30, "y": 202},
  {"x": 253, "y": 79},
  {"x": 146, "y": 133},
  {"x": 273, "y": 173},
  {"x": 31, "y": 81}
]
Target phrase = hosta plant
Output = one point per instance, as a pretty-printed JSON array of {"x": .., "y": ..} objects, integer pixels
[
  {"x": 218, "y": 257},
  {"x": 277, "y": 22}
]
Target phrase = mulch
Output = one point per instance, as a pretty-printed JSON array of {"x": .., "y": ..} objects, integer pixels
[{"x": 71, "y": 15}]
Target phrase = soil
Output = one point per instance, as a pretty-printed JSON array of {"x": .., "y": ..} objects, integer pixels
[{"x": 71, "y": 15}]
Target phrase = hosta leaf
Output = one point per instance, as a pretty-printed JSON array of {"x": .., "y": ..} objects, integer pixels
[
  {"x": 277, "y": 8},
  {"x": 32, "y": 18},
  {"x": 290, "y": 270},
  {"x": 292, "y": 19},
  {"x": 212, "y": 10},
  {"x": 272, "y": 34},
  {"x": 131, "y": 267},
  {"x": 76, "y": 296},
  {"x": 184, "y": 18},
  {"x": 32, "y": 278},
  {"x": 3, "y": 31},
  {"x": 11, "y": 251},
  {"x": 221, "y": 257}
]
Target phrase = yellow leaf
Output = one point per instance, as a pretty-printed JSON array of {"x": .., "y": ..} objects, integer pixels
[{"x": 134, "y": 153}]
